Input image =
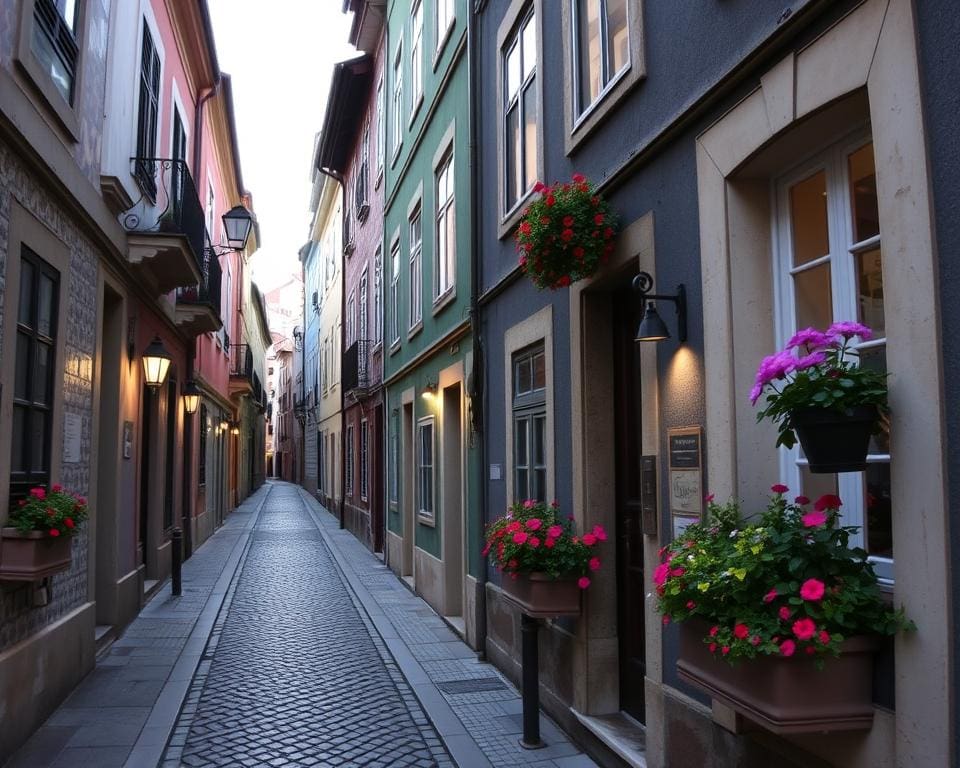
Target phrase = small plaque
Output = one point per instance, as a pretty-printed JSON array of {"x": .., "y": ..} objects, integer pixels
[
  {"x": 685, "y": 447},
  {"x": 496, "y": 472},
  {"x": 72, "y": 431},
  {"x": 127, "y": 439}
]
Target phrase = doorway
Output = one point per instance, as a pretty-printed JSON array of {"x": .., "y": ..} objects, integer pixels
[
  {"x": 376, "y": 480},
  {"x": 406, "y": 488},
  {"x": 627, "y": 312},
  {"x": 146, "y": 460},
  {"x": 451, "y": 507}
]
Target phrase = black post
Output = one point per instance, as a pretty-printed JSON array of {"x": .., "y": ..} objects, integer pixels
[
  {"x": 531, "y": 683},
  {"x": 176, "y": 558}
]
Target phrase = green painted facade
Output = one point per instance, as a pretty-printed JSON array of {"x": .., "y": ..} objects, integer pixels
[{"x": 439, "y": 123}]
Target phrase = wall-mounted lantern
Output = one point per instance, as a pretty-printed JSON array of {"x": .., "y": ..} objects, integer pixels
[
  {"x": 429, "y": 390},
  {"x": 191, "y": 397},
  {"x": 237, "y": 223},
  {"x": 652, "y": 327},
  {"x": 156, "y": 362}
]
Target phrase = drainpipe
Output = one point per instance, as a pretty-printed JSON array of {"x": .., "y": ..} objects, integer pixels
[
  {"x": 338, "y": 178},
  {"x": 477, "y": 391}
]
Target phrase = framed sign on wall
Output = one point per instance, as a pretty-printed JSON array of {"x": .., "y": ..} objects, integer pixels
[{"x": 685, "y": 462}]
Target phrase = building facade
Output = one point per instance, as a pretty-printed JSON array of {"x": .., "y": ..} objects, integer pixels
[
  {"x": 431, "y": 468},
  {"x": 714, "y": 153}
]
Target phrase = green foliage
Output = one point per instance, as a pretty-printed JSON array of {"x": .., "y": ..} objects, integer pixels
[{"x": 56, "y": 512}]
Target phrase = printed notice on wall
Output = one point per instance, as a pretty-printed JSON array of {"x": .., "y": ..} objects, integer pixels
[
  {"x": 72, "y": 430},
  {"x": 685, "y": 446}
]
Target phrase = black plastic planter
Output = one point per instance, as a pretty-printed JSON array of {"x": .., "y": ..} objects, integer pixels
[{"x": 835, "y": 441}]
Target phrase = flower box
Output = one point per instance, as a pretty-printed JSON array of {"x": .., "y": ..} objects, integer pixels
[
  {"x": 835, "y": 441},
  {"x": 32, "y": 556},
  {"x": 541, "y": 596},
  {"x": 785, "y": 694}
]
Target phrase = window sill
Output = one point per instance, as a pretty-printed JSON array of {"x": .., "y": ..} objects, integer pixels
[
  {"x": 396, "y": 154},
  {"x": 444, "y": 299},
  {"x": 424, "y": 518},
  {"x": 377, "y": 348},
  {"x": 414, "y": 110},
  {"x": 581, "y": 126},
  {"x": 509, "y": 222},
  {"x": 414, "y": 330},
  {"x": 442, "y": 43},
  {"x": 395, "y": 347},
  {"x": 379, "y": 181}
]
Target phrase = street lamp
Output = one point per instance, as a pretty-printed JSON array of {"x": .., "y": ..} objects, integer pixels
[
  {"x": 191, "y": 397},
  {"x": 237, "y": 222},
  {"x": 156, "y": 361}
]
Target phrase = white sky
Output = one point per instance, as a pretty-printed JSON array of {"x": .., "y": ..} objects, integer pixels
[{"x": 280, "y": 55}]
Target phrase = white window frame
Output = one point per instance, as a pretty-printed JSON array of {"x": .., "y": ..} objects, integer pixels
[
  {"x": 581, "y": 110},
  {"x": 377, "y": 297},
  {"x": 416, "y": 270},
  {"x": 416, "y": 58},
  {"x": 507, "y": 103},
  {"x": 351, "y": 318},
  {"x": 397, "y": 107},
  {"x": 445, "y": 252},
  {"x": 833, "y": 161},
  {"x": 446, "y": 14},
  {"x": 423, "y": 513},
  {"x": 395, "y": 293},
  {"x": 381, "y": 127}
]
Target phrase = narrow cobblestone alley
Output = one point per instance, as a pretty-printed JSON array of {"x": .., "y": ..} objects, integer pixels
[{"x": 295, "y": 676}]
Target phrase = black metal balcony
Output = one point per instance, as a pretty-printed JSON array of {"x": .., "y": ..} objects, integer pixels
[
  {"x": 198, "y": 306},
  {"x": 356, "y": 366},
  {"x": 241, "y": 363},
  {"x": 166, "y": 225}
]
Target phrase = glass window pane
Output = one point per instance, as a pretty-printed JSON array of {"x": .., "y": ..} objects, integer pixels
[
  {"x": 521, "y": 491},
  {"x": 522, "y": 383},
  {"x": 808, "y": 211},
  {"x": 539, "y": 371},
  {"x": 876, "y": 494},
  {"x": 38, "y": 441},
  {"x": 540, "y": 485},
  {"x": 18, "y": 457},
  {"x": 513, "y": 159},
  {"x": 41, "y": 376},
  {"x": 863, "y": 194},
  {"x": 21, "y": 385},
  {"x": 875, "y": 358},
  {"x": 529, "y": 46},
  {"x": 618, "y": 36},
  {"x": 522, "y": 441},
  {"x": 513, "y": 71},
  {"x": 539, "y": 450},
  {"x": 813, "y": 297},
  {"x": 870, "y": 290},
  {"x": 529, "y": 138},
  {"x": 588, "y": 40},
  {"x": 25, "y": 311}
]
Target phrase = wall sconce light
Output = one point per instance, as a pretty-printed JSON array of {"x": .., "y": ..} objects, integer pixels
[
  {"x": 652, "y": 327},
  {"x": 191, "y": 397},
  {"x": 224, "y": 425},
  {"x": 235, "y": 428},
  {"x": 237, "y": 223},
  {"x": 156, "y": 362},
  {"x": 429, "y": 390}
]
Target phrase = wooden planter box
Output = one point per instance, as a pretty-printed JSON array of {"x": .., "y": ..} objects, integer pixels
[
  {"x": 32, "y": 556},
  {"x": 786, "y": 694},
  {"x": 542, "y": 596}
]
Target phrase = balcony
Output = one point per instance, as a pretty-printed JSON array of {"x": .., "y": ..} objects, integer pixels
[
  {"x": 198, "y": 306},
  {"x": 356, "y": 368},
  {"x": 166, "y": 226},
  {"x": 241, "y": 370}
]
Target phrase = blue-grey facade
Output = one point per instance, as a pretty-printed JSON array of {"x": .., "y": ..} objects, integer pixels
[{"x": 696, "y": 143}]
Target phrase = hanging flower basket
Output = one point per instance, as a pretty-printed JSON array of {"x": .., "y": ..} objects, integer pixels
[
  {"x": 565, "y": 234},
  {"x": 37, "y": 541},
  {"x": 835, "y": 441},
  {"x": 786, "y": 694}
]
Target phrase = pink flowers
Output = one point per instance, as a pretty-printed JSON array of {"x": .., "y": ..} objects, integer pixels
[
  {"x": 533, "y": 541},
  {"x": 824, "y": 637},
  {"x": 529, "y": 503},
  {"x": 583, "y": 582},
  {"x": 741, "y": 631},
  {"x": 54, "y": 532},
  {"x": 812, "y": 589},
  {"x": 801, "y": 500},
  {"x": 770, "y": 596},
  {"x": 814, "y": 519},
  {"x": 849, "y": 329},
  {"x": 38, "y": 493},
  {"x": 520, "y": 537},
  {"x": 533, "y": 524},
  {"x": 589, "y": 539},
  {"x": 554, "y": 531},
  {"x": 594, "y": 563},
  {"x": 660, "y": 574},
  {"x": 812, "y": 339},
  {"x": 779, "y": 488},
  {"x": 713, "y": 630},
  {"x": 784, "y": 613},
  {"x": 827, "y": 501},
  {"x": 811, "y": 360},
  {"x": 787, "y": 648},
  {"x": 804, "y": 628},
  {"x": 599, "y": 533}
]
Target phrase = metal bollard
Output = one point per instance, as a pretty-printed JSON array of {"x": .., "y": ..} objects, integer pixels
[
  {"x": 529, "y": 627},
  {"x": 176, "y": 559}
]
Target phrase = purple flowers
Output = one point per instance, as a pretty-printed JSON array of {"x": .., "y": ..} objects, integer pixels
[
  {"x": 812, "y": 339},
  {"x": 849, "y": 329},
  {"x": 773, "y": 367}
]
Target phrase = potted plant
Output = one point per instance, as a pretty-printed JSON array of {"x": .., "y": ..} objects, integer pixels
[
  {"x": 544, "y": 563},
  {"x": 780, "y": 616},
  {"x": 817, "y": 390},
  {"x": 36, "y": 541},
  {"x": 565, "y": 234}
]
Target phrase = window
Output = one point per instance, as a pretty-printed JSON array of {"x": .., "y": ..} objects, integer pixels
[
  {"x": 202, "y": 448},
  {"x": 35, "y": 373},
  {"x": 416, "y": 278},
  {"x": 830, "y": 269},
  {"x": 323, "y": 366},
  {"x": 520, "y": 110},
  {"x": 395, "y": 293},
  {"x": 425, "y": 466},
  {"x": 394, "y": 489},
  {"x": 381, "y": 127},
  {"x": 445, "y": 19},
  {"x": 321, "y": 464},
  {"x": 601, "y": 41},
  {"x": 363, "y": 459},
  {"x": 351, "y": 321},
  {"x": 360, "y": 187},
  {"x": 446, "y": 250},
  {"x": 54, "y": 44},
  {"x": 348, "y": 468},
  {"x": 377, "y": 299},
  {"x": 147, "y": 113},
  {"x": 397, "y": 115},
  {"x": 416, "y": 56},
  {"x": 362, "y": 308},
  {"x": 530, "y": 424}
]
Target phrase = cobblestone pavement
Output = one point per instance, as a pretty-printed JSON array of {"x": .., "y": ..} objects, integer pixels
[{"x": 294, "y": 674}]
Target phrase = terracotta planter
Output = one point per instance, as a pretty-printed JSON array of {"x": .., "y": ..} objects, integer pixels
[
  {"x": 786, "y": 695},
  {"x": 835, "y": 441},
  {"x": 31, "y": 556},
  {"x": 542, "y": 596}
]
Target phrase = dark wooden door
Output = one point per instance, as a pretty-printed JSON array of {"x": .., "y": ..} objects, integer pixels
[
  {"x": 630, "y": 586},
  {"x": 376, "y": 484},
  {"x": 145, "y": 460}
]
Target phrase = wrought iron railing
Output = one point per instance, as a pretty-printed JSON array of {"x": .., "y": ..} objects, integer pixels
[
  {"x": 241, "y": 362},
  {"x": 356, "y": 365},
  {"x": 207, "y": 291},
  {"x": 169, "y": 203}
]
